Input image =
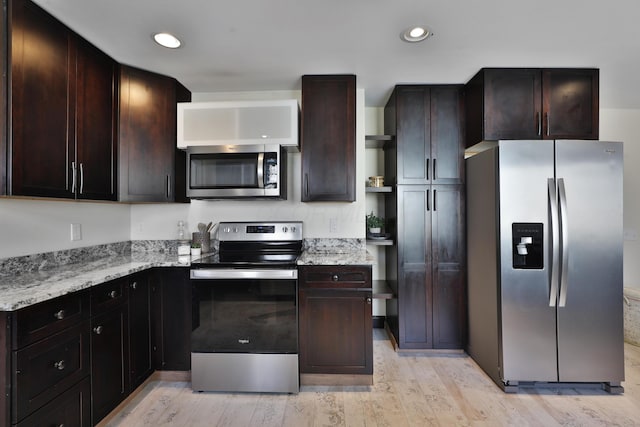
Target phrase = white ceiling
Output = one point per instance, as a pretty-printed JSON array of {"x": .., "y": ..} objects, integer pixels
[{"x": 254, "y": 45}]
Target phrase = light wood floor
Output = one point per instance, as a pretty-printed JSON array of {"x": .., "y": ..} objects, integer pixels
[{"x": 408, "y": 390}]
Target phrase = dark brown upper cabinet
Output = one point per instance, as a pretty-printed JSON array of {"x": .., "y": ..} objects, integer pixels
[
  {"x": 328, "y": 142},
  {"x": 427, "y": 122},
  {"x": 147, "y": 145},
  {"x": 532, "y": 103},
  {"x": 62, "y": 110}
]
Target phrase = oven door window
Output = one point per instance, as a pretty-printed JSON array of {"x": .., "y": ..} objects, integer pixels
[{"x": 244, "y": 316}]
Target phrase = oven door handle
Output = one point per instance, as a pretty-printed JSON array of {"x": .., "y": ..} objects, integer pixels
[{"x": 237, "y": 273}]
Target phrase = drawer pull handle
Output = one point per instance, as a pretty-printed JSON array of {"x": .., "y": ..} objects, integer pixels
[
  {"x": 134, "y": 285},
  {"x": 97, "y": 330},
  {"x": 113, "y": 294},
  {"x": 59, "y": 365},
  {"x": 59, "y": 314},
  {"x": 335, "y": 278}
]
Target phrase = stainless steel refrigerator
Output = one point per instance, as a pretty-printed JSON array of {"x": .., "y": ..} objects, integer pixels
[{"x": 544, "y": 224}]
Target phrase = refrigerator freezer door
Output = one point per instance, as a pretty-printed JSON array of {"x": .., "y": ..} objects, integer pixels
[
  {"x": 528, "y": 324},
  {"x": 590, "y": 312}
]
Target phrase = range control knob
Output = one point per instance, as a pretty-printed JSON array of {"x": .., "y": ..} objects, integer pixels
[
  {"x": 293, "y": 229},
  {"x": 285, "y": 229}
]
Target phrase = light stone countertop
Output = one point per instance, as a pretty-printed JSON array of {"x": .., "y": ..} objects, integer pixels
[
  {"x": 360, "y": 257},
  {"x": 22, "y": 290},
  {"x": 23, "y": 282}
]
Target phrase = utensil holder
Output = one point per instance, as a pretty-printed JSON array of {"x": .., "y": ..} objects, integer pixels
[{"x": 204, "y": 239}]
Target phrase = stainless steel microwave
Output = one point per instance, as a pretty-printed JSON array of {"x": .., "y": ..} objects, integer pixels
[{"x": 236, "y": 171}]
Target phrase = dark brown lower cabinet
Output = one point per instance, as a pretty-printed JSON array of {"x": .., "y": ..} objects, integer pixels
[
  {"x": 335, "y": 321},
  {"x": 140, "y": 331},
  {"x": 109, "y": 347},
  {"x": 70, "y": 409},
  {"x": 426, "y": 267},
  {"x": 171, "y": 293}
]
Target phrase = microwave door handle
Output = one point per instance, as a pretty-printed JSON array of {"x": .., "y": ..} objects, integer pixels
[{"x": 260, "y": 170}]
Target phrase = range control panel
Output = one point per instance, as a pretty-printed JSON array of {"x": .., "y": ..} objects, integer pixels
[{"x": 260, "y": 231}]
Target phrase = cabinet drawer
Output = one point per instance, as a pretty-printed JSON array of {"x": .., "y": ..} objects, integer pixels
[
  {"x": 46, "y": 368},
  {"x": 71, "y": 409},
  {"x": 108, "y": 296},
  {"x": 39, "y": 321},
  {"x": 335, "y": 276}
]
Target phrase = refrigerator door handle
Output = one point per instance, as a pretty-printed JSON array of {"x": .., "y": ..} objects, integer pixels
[
  {"x": 565, "y": 243},
  {"x": 555, "y": 243}
]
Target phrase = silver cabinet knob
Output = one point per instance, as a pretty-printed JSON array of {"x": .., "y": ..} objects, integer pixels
[
  {"x": 134, "y": 285},
  {"x": 335, "y": 278},
  {"x": 59, "y": 314},
  {"x": 59, "y": 365},
  {"x": 113, "y": 294},
  {"x": 97, "y": 330},
  {"x": 369, "y": 301}
]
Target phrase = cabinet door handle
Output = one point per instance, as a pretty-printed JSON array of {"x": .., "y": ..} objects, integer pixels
[
  {"x": 168, "y": 186},
  {"x": 427, "y": 168},
  {"x": 546, "y": 116},
  {"x": 113, "y": 294},
  {"x": 369, "y": 300},
  {"x": 335, "y": 278},
  {"x": 434, "y": 200},
  {"x": 434, "y": 169},
  {"x": 59, "y": 314},
  {"x": 73, "y": 177},
  {"x": 134, "y": 285},
  {"x": 98, "y": 330},
  {"x": 428, "y": 204},
  {"x": 59, "y": 365},
  {"x": 306, "y": 184},
  {"x": 81, "y": 178},
  {"x": 539, "y": 123}
]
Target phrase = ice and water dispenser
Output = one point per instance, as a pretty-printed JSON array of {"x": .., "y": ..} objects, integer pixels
[{"x": 527, "y": 245}]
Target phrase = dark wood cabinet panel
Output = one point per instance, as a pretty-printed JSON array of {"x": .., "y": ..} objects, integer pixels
[
  {"x": 448, "y": 256},
  {"x": 427, "y": 267},
  {"x": 41, "y": 320},
  {"x": 109, "y": 361},
  {"x": 147, "y": 144},
  {"x": 71, "y": 409},
  {"x": 95, "y": 124},
  {"x": 47, "y": 368},
  {"x": 335, "y": 321},
  {"x": 171, "y": 294},
  {"x": 571, "y": 103},
  {"x": 140, "y": 353},
  {"x": 41, "y": 90},
  {"x": 328, "y": 132},
  {"x": 427, "y": 122},
  {"x": 532, "y": 103}
]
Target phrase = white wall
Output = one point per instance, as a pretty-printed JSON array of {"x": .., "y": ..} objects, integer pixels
[
  {"x": 34, "y": 226},
  {"x": 624, "y": 125}
]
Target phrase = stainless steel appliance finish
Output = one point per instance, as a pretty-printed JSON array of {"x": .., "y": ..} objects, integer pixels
[
  {"x": 245, "y": 322},
  {"x": 544, "y": 221},
  {"x": 236, "y": 171}
]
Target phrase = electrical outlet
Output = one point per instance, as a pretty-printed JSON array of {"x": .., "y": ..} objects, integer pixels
[
  {"x": 76, "y": 232},
  {"x": 333, "y": 225}
]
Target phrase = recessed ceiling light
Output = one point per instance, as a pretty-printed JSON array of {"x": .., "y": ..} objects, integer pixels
[
  {"x": 415, "y": 34},
  {"x": 167, "y": 40}
]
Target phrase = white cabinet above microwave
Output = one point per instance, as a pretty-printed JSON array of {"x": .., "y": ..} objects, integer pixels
[{"x": 237, "y": 123}]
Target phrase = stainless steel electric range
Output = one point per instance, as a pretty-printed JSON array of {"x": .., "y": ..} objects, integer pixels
[{"x": 245, "y": 322}]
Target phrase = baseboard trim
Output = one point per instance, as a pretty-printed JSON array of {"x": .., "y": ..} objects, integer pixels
[{"x": 335, "y": 380}]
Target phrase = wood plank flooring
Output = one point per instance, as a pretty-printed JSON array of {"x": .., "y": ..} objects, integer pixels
[{"x": 409, "y": 390}]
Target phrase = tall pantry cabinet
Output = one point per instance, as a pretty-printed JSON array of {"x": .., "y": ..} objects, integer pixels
[{"x": 426, "y": 214}]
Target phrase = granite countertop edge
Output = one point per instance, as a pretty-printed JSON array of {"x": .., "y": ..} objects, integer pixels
[{"x": 22, "y": 290}]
